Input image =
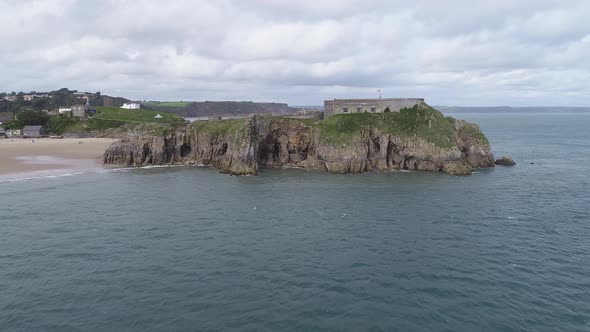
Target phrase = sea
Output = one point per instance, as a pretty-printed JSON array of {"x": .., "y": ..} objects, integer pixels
[{"x": 189, "y": 249}]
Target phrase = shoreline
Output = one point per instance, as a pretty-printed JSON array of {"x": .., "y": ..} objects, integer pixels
[{"x": 42, "y": 155}]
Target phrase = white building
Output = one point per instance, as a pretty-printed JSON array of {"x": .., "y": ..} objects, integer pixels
[
  {"x": 13, "y": 132},
  {"x": 65, "y": 111},
  {"x": 131, "y": 106}
]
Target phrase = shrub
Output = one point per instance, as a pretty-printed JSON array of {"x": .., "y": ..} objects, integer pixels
[{"x": 59, "y": 124}]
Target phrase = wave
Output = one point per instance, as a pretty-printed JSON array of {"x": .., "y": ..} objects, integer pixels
[
  {"x": 32, "y": 176},
  {"x": 60, "y": 173},
  {"x": 49, "y": 174}
]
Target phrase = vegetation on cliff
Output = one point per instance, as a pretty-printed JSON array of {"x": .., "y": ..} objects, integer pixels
[
  {"x": 418, "y": 138},
  {"x": 150, "y": 104},
  {"x": 417, "y": 122},
  {"x": 472, "y": 131},
  {"x": 126, "y": 115},
  {"x": 114, "y": 117},
  {"x": 220, "y": 127},
  {"x": 217, "y": 108},
  {"x": 58, "y": 124}
]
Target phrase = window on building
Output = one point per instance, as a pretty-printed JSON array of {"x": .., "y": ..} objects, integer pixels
[
  {"x": 359, "y": 109},
  {"x": 373, "y": 109},
  {"x": 345, "y": 110}
]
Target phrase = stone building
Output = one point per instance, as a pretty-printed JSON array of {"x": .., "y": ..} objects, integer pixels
[
  {"x": 79, "y": 111},
  {"x": 346, "y": 106}
]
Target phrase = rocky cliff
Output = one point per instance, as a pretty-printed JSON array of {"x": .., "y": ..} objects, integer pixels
[{"x": 419, "y": 138}]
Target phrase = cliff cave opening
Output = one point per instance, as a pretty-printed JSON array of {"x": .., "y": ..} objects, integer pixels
[
  {"x": 223, "y": 150},
  {"x": 276, "y": 152},
  {"x": 185, "y": 149}
]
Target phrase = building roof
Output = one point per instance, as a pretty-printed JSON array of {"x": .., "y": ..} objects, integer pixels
[
  {"x": 376, "y": 99},
  {"x": 32, "y": 127}
]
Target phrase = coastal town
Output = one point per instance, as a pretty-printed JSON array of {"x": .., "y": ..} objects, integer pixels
[
  {"x": 40, "y": 130},
  {"x": 70, "y": 113}
]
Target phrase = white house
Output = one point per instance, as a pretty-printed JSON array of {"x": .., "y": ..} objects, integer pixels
[
  {"x": 131, "y": 106},
  {"x": 13, "y": 132},
  {"x": 64, "y": 110}
]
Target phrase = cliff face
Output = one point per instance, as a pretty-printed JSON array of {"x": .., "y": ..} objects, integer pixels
[{"x": 415, "y": 139}]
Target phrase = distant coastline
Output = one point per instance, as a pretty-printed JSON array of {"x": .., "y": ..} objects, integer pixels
[{"x": 510, "y": 109}]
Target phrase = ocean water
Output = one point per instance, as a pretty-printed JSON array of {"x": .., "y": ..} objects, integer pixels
[{"x": 170, "y": 249}]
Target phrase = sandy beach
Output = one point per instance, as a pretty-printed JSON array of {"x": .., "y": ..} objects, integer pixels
[{"x": 34, "y": 155}]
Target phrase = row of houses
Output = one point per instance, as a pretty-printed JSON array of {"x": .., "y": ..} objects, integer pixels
[
  {"x": 31, "y": 97},
  {"x": 10, "y": 133},
  {"x": 27, "y": 97}
]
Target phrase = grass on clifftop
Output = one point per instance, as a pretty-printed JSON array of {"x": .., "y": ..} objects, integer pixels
[
  {"x": 167, "y": 103},
  {"x": 114, "y": 117},
  {"x": 471, "y": 130},
  {"x": 409, "y": 122},
  {"x": 141, "y": 115},
  {"x": 220, "y": 127}
]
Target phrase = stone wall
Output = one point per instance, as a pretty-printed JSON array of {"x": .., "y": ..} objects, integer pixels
[{"x": 344, "y": 106}]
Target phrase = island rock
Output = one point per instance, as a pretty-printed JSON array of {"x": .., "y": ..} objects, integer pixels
[
  {"x": 505, "y": 161},
  {"x": 418, "y": 138}
]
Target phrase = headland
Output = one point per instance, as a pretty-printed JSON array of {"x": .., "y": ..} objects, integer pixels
[
  {"x": 417, "y": 138},
  {"x": 347, "y": 136}
]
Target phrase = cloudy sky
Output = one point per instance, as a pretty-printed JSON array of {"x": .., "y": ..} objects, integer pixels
[{"x": 501, "y": 52}]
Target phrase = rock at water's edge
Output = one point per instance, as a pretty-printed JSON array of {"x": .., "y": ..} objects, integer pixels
[
  {"x": 347, "y": 144},
  {"x": 505, "y": 161}
]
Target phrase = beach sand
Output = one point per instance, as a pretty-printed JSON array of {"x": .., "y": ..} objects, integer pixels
[{"x": 44, "y": 154}]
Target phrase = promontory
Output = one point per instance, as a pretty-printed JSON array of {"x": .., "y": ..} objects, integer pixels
[{"x": 418, "y": 138}]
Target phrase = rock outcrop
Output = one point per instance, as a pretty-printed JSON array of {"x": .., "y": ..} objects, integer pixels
[
  {"x": 415, "y": 139},
  {"x": 505, "y": 161}
]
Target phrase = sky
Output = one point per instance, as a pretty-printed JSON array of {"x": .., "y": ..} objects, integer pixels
[{"x": 461, "y": 53}]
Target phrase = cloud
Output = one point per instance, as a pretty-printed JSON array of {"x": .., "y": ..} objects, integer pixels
[{"x": 452, "y": 52}]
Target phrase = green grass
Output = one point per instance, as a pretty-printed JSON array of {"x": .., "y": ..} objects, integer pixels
[
  {"x": 167, "y": 103},
  {"x": 127, "y": 116},
  {"x": 220, "y": 127},
  {"x": 473, "y": 131},
  {"x": 58, "y": 125},
  {"x": 113, "y": 117},
  {"x": 409, "y": 122},
  {"x": 419, "y": 122}
]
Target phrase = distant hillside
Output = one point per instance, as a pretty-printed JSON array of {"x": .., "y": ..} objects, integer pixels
[
  {"x": 52, "y": 100},
  {"x": 212, "y": 108}
]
